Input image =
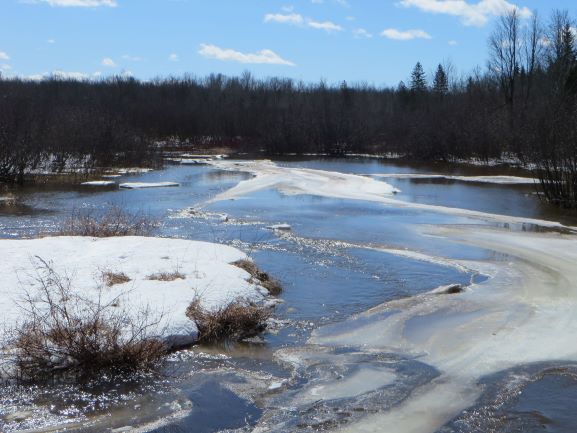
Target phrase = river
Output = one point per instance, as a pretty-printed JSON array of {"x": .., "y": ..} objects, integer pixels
[{"x": 359, "y": 341}]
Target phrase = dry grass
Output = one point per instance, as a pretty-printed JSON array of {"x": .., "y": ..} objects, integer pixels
[
  {"x": 114, "y": 222},
  {"x": 112, "y": 278},
  {"x": 273, "y": 286},
  {"x": 65, "y": 331},
  {"x": 236, "y": 321},
  {"x": 166, "y": 276}
]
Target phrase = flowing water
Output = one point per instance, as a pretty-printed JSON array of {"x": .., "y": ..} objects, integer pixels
[{"x": 359, "y": 343}]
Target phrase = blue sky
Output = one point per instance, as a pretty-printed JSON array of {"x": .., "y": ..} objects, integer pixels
[{"x": 373, "y": 41}]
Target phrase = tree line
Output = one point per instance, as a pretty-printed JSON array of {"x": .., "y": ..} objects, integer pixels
[{"x": 522, "y": 104}]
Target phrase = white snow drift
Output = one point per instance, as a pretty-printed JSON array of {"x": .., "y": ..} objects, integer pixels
[{"x": 205, "y": 266}]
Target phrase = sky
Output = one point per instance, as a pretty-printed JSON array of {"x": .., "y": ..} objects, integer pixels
[{"x": 361, "y": 41}]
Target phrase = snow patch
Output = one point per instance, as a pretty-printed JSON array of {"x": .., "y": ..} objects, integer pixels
[
  {"x": 99, "y": 183},
  {"x": 206, "y": 267}
]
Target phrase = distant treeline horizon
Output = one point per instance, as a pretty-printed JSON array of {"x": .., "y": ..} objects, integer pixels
[{"x": 522, "y": 103}]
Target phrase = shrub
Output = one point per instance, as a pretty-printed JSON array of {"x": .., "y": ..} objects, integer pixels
[
  {"x": 235, "y": 321},
  {"x": 112, "y": 278},
  {"x": 114, "y": 222},
  {"x": 67, "y": 331},
  {"x": 166, "y": 276},
  {"x": 273, "y": 286}
]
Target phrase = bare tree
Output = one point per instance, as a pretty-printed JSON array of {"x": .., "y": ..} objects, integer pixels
[{"x": 505, "y": 57}]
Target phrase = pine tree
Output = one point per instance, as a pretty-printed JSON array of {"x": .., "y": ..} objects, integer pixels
[
  {"x": 418, "y": 79},
  {"x": 441, "y": 82}
]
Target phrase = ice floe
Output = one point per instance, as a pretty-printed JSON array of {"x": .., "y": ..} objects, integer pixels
[
  {"x": 99, "y": 183},
  {"x": 139, "y": 185},
  {"x": 292, "y": 181},
  {"x": 500, "y": 180}
]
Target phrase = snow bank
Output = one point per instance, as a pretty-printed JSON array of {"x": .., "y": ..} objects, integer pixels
[
  {"x": 289, "y": 180},
  {"x": 500, "y": 180},
  {"x": 99, "y": 183},
  {"x": 205, "y": 266},
  {"x": 134, "y": 170},
  {"x": 138, "y": 185}
]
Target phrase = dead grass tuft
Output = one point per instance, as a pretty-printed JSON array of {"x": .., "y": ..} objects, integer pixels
[
  {"x": 236, "y": 321},
  {"x": 273, "y": 286},
  {"x": 112, "y": 278},
  {"x": 65, "y": 331},
  {"x": 166, "y": 276},
  {"x": 114, "y": 222}
]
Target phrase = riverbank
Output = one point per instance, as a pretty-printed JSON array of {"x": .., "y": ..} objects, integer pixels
[{"x": 157, "y": 275}]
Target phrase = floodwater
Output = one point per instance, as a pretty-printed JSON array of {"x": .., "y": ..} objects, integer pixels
[{"x": 318, "y": 368}]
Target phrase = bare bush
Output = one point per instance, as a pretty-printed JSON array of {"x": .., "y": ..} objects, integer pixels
[
  {"x": 112, "y": 278},
  {"x": 166, "y": 276},
  {"x": 235, "y": 321},
  {"x": 273, "y": 286},
  {"x": 67, "y": 331},
  {"x": 114, "y": 222}
]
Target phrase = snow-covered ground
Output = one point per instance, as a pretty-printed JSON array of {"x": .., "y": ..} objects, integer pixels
[{"x": 206, "y": 267}]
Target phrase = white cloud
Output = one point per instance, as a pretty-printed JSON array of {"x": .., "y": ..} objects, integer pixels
[
  {"x": 472, "y": 14},
  {"x": 108, "y": 62},
  {"x": 4, "y": 56},
  {"x": 294, "y": 19},
  {"x": 453, "y": 42},
  {"x": 327, "y": 26},
  {"x": 343, "y": 3},
  {"x": 362, "y": 33},
  {"x": 317, "y": 2},
  {"x": 51, "y": 41},
  {"x": 173, "y": 57},
  {"x": 5, "y": 67},
  {"x": 298, "y": 20},
  {"x": 226, "y": 54},
  {"x": 405, "y": 35},
  {"x": 75, "y": 3}
]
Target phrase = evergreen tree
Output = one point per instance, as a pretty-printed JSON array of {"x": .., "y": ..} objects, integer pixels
[
  {"x": 441, "y": 82},
  {"x": 418, "y": 79}
]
